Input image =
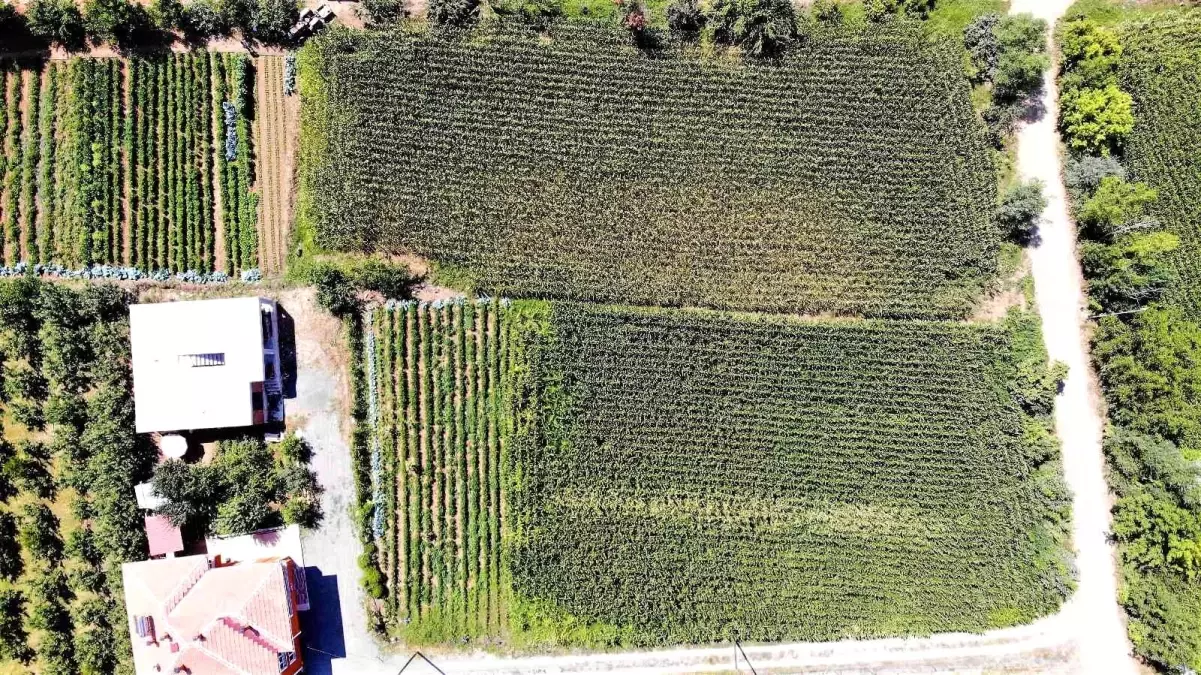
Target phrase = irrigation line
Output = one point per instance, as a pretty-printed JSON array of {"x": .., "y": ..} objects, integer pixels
[{"x": 739, "y": 650}]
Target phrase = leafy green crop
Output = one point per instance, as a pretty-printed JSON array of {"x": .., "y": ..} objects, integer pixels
[
  {"x": 1159, "y": 67},
  {"x": 850, "y": 177}
]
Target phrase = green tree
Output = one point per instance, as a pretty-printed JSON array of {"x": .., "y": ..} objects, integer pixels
[
  {"x": 1156, "y": 533},
  {"x": 1090, "y": 54},
  {"x": 1096, "y": 120},
  {"x": 238, "y": 14},
  {"x": 11, "y": 564},
  {"x": 1150, "y": 373},
  {"x": 58, "y": 22},
  {"x": 1115, "y": 208},
  {"x": 202, "y": 21},
  {"x": 1141, "y": 461},
  {"x": 379, "y": 13},
  {"x": 39, "y": 533},
  {"x": 120, "y": 23},
  {"x": 1022, "y": 206},
  {"x": 1130, "y": 272},
  {"x": 167, "y": 14},
  {"x": 192, "y": 493},
  {"x": 453, "y": 13},
  {"x": 760, "y": 28},
  {"x": 14, "y": 641},
  {"x": 272, "y": 19}
]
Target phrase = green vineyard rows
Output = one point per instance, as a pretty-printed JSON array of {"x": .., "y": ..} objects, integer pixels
[
  {"x": 580, "y": 168},
  {"x": 113, "y": 162},
  {"x": 1159, "y": 68},
  {"x": 441, "y": 426},
  {"x": 688, "y": 477}
]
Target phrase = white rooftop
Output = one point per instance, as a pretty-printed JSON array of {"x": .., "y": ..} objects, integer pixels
[{"x": 194, "y": 363}]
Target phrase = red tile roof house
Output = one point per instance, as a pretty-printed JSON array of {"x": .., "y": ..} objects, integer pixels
[{"x": 188, "y": 616}]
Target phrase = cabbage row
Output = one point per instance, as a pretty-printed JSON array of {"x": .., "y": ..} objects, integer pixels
[
  {"x": 1160, "y": 68},
  {"x": 852, "y": 177}
]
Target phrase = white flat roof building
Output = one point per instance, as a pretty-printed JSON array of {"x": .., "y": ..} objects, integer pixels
[{"x": 205, "y": 364}]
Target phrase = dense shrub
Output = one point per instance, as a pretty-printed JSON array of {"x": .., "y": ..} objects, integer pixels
[
  {"x": 1021, "y": 209},
  {"x": 685, "y": 18},
  {"x": 760, "y": 28},
  {"x": 1096, "y": 120},
  {"x": 57, "y": 21},
  {"x": 453, "y": 13},
  {"x": 380, "y": 13}
]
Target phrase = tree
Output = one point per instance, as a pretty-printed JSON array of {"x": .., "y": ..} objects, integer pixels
[
  {"x": 1019, "y": 74},
  {"x": 1085, "y": 173},
  {"x": 11, "y": 564},
  {"x": 1156, "y": 533},
  {"x": 335, "y": 291},
  {"x": 191, "y": 493},
  {"x": 238, "y": 14},
  {"x": 120, "y": 23},
  {"x": 884, "y": 10},
  {"x": 39, "y": 533},
  {"x": 379, "y": 13},
  {"x": 272, "y": 19},
  {"x": 167, "y": 14},
  {"x": 1150, "y": 373},
  {"x": 1130, "y": 272},
  {"x": 58, "y": 22},
  {"x": 453, "y": 13},
  {"x": 828, "y": 12},
  {"x": 14, "y": 641},
  {"x": 685, "y": 18},
  {"x": 1090, "y": 54},
  {"x": 1096, "y": 120},
  {"x": 1116, "y": 207},
  {"x": 983, "y": 46},
  {"x": 760, "y": 28},
  {"x": 1146, "y": 462},
  {"x": 201, "y": 21},
  {"x": 1021, "y": 208}
]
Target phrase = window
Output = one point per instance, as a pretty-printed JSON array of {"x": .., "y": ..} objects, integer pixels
[
  {"x": 286, "y": 659},
  {"x": 202, "y": 360}
]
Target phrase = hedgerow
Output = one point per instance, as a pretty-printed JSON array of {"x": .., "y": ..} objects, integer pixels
[
  {"x": 1132, "y": 198},
  {"x": 851, "y": 176}
]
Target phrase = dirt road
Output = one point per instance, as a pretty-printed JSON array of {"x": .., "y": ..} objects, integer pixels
[{"x": 1093, "y": 611}]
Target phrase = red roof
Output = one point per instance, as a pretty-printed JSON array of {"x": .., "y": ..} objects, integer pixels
[
  {"x": 162, "y": 536},
  {"x": 236, "y": 619}
]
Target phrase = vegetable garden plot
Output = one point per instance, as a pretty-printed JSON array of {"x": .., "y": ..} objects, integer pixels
[
  {"x": 670, "y": 477},
  {"x": 113, "y": 162},
  {"x": 440, "y": 373},
  {"x": 1160, "y": 67},
  {"x": 853, "y": 177}
]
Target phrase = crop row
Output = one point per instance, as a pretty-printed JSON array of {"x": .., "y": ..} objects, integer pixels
[
  {"x": 440, "y": 432},
  {"x": 1159, "y": 69},
  {"x": 852, "y": 177},
  {"x": 115, "y": 161}
]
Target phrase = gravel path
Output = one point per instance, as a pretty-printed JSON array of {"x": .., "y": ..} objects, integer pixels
[
  {"x": 1093, "y": 611},
  {"x": 1087, "y": 636}
]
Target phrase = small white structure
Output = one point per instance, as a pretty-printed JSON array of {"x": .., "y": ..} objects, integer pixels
[
  {"x": 148, "y": 499},
  {"x": 205, "y": 364}
]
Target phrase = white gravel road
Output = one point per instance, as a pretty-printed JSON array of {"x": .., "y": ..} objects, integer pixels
[
  {"x": 1092, "y": 613},
  {"x": 1087, "y": 636}
]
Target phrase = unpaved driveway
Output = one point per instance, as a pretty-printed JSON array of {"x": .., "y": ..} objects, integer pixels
[{"x": 1093, "y": 612}]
